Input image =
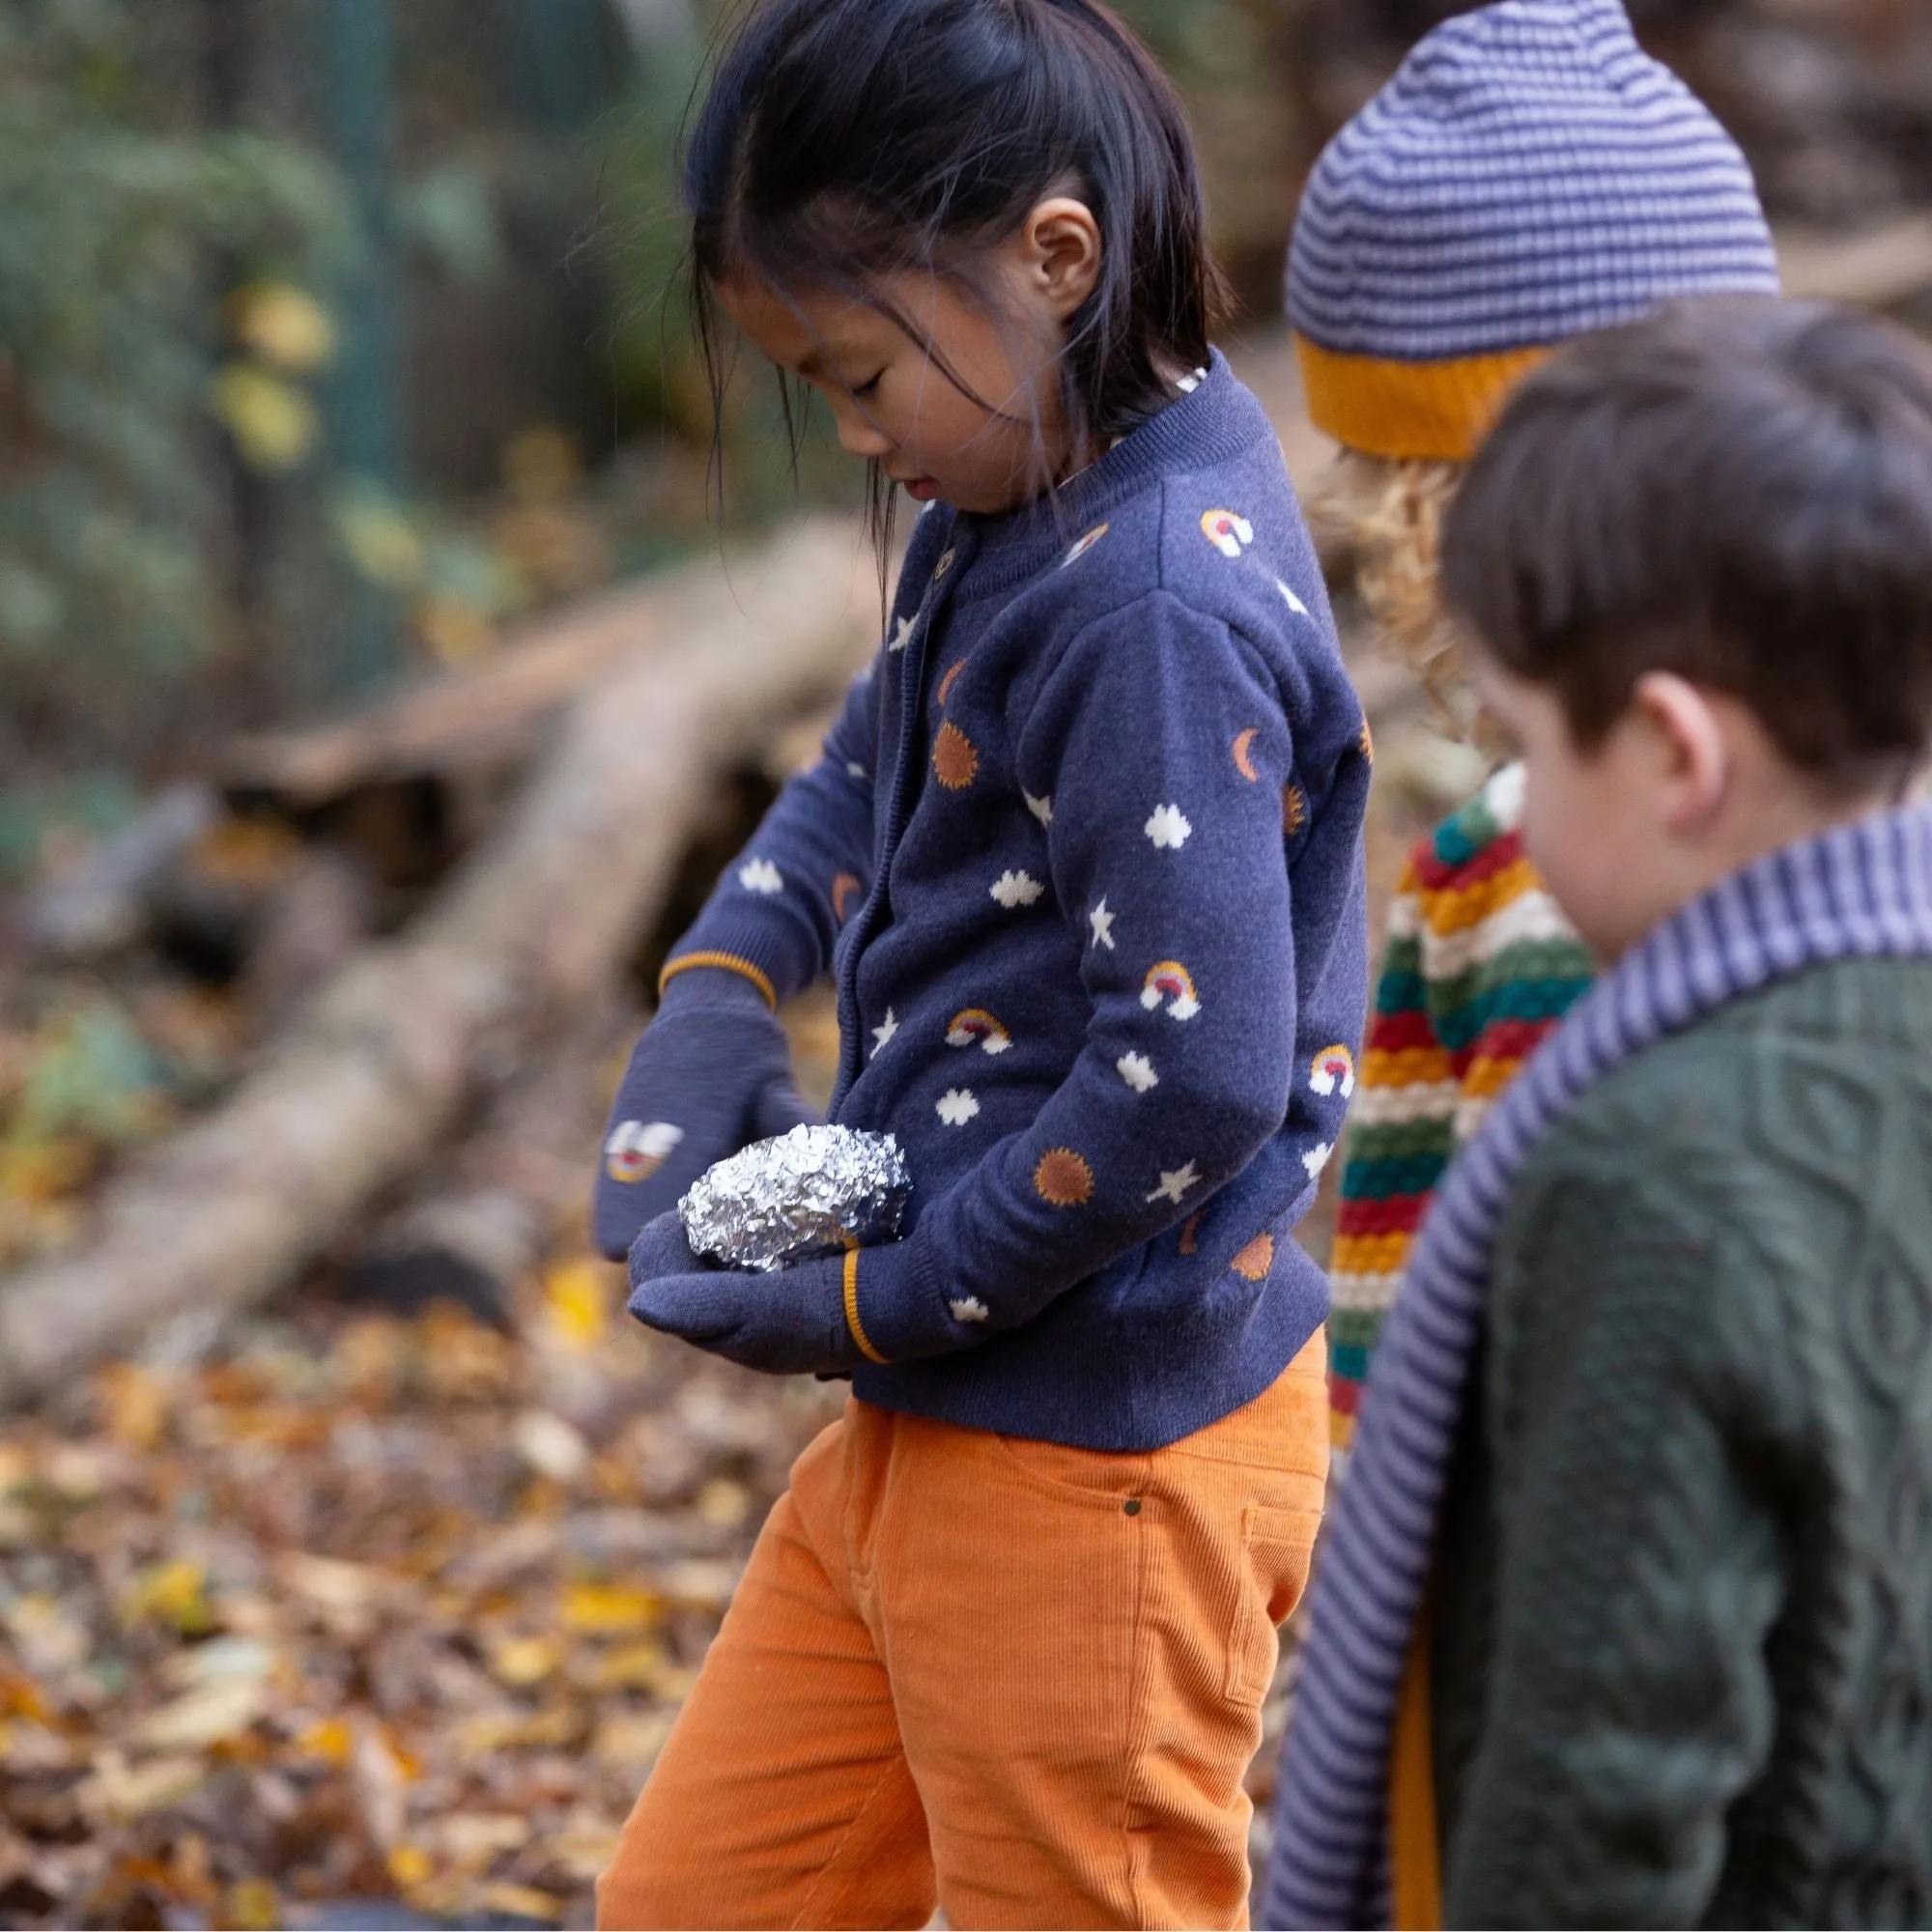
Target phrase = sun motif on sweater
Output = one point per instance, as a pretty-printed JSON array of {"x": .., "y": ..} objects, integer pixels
[
  {"x": 1063, "y": 1179},
  {"x": 955, "y": 761}
]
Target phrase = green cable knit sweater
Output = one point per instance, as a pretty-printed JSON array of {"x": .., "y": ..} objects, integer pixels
[{"x": 1683, "y": 1636}]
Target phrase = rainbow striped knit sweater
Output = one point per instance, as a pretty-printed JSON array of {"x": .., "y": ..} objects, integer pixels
[{"x": 1480, "y": 965}]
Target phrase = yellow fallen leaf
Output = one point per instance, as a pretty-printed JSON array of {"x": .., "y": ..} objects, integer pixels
[
  {"x": 518, "y": 1902},
  {"x": 409, "y": 1865},
  {"x": 127, "y": 1794},
  {"x": 347, "y": 1589},
  {"x": 551, "y": 1446},
  {"x": 593, "y": 1609},
  {"x": 632, "y": 1742},
  {"x": 472, "y": 1838},
  {"x": 526, "y": 1659},
  {"x": 136, "y": 1404},
  {"x": 329, "y": 1739},
  {"x": 503, "y": 1730},
  {"x": 209, "y": 1714},
  {"x": 577, "y": 1303},
  {"x": 634, "y": 1667},
  {"x": 723, "y": 1503},
  {"x": 253, "y": 1905},
  {"x": 169, "y": 1593}
]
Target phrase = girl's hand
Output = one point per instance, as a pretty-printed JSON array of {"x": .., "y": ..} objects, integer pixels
[
  {"x": 792, "y": 1322},
  {"x": 709, "y": 1075}
]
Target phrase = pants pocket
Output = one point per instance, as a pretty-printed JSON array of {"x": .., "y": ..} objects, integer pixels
[{"x": 1276, "y": 1546}]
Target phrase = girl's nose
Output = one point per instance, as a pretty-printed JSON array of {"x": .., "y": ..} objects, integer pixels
[{"x": 860, "y": 436}]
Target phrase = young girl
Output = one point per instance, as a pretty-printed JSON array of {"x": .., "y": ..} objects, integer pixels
[{"x": 1084, "y": 854}]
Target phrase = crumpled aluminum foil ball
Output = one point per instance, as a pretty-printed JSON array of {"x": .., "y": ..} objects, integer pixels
[{"x": 815, "y": 1191}]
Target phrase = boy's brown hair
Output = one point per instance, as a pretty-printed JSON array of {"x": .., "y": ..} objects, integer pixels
[{"x": 1738, "y": 491}]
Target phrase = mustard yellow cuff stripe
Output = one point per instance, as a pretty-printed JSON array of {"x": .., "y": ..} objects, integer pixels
[
  {"x": 1435, "y": 410},
  {"x": 852, "y": 1321},
  {"x": 730, "y": 962},
  {"x": 1415, "y": 1852}
]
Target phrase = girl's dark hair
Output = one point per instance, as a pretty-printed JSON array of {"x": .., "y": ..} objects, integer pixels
[{"x": 844, "y": 140}]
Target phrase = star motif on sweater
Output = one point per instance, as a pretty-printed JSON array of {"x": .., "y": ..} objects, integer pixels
[
  {"x": 882, "y": 1035},
  {"x": 1168, "y": 828},
  {"x": 1040, "y": 808},
  {"x": 1174, "y": 1185},
  {"x": 901, "y": 635},
  {"x": 1102, "y": 923}
]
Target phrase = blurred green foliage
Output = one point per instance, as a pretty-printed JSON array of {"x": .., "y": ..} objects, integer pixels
[{"x": 121, "y": 233}]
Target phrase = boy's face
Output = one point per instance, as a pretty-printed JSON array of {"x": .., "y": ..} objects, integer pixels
[{"x": 1593, "y": 822}]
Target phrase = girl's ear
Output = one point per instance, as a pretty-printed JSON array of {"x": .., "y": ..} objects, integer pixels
[{"x": 1060, "y": 251}]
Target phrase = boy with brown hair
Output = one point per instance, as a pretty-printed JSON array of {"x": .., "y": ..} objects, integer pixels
[{"x": 1651, "y": 1411}]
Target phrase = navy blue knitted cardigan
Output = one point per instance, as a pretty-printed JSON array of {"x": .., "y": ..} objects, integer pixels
[{"x": 1085, "y": 853}]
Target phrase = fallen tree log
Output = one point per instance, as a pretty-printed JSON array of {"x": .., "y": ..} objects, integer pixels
[
  {"x": 481, "y": 1226},
  {"x": 534, "y": 922}
]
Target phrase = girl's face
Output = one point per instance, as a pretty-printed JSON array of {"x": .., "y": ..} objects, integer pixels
[{"x": 976, "y": 421}]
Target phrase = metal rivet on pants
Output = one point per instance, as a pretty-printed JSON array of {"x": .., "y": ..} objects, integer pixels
[{"x": 1132, "y": 1506}]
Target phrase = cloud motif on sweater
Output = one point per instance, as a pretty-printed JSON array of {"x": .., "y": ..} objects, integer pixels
[
  {"x": 956, "y": 1106},
  {"x": 1013, "y": 889},
  {"x": 1040, "y": 808},
  {"x": 1137, "y": 1070},
  {"x": 760, "y": 875},
  {"x": 1168, "y": 828}
]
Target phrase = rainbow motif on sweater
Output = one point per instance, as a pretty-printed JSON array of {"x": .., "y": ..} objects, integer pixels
[{"x": 1480, "y": 964}]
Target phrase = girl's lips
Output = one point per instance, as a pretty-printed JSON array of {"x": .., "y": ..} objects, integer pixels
[{"x": 922, "y": 489}]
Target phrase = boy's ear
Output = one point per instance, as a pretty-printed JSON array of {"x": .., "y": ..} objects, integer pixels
[
  {"x": 1693, "y": 755},
  {"x": 1061, "y": 247}
]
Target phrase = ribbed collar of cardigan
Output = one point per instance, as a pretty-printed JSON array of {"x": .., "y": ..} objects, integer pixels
[
  {"x": 1862, "y": 891},
  {"x": 1213, "y": 422}
]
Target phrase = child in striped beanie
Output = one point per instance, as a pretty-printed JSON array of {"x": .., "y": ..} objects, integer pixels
[{"x": 1529, "y": 175}]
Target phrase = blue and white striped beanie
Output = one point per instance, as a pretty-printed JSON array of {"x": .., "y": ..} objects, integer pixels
[{"x": 1529, "y": 174}]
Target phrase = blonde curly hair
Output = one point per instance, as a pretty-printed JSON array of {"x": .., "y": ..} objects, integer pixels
[{"x": 1388, "y": 512}]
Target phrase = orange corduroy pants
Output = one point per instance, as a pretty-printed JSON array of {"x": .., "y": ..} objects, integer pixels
[{"x": 1016, "y": 1680}]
